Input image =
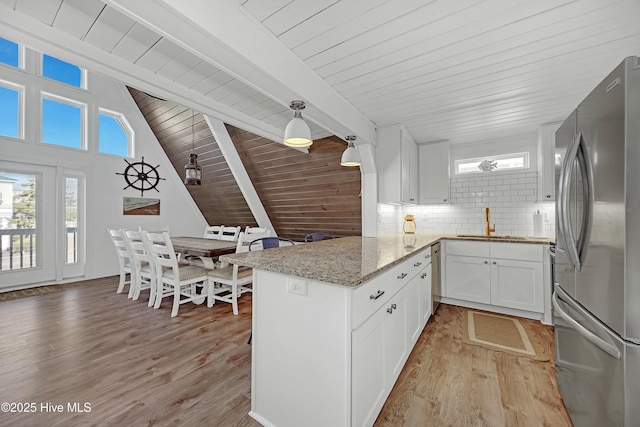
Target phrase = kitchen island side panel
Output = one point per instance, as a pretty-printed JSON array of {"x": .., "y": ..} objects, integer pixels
[{"x": 301, "y": 355}]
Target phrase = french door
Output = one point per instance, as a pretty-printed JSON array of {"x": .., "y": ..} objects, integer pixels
[{"x": 41, "y": 224}]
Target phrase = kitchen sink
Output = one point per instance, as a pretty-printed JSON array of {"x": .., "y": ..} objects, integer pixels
[{"x": 482, "y": 236}]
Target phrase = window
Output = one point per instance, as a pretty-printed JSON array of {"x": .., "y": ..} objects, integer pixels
[
  {"x": 61, "y": 71},
  {"x": 492, "y": 163},
  {"x": 11, "y": 110},
  {"x": 114, "y": 134},
  {"x": 9, "y": 53},
  {"x": 62, "y": 122}
]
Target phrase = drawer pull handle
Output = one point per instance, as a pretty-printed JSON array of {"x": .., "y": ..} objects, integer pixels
[
  {"x": 402, "y": 276},
  {"x": 427, "y": 256},
  {"x": 494, "y": 263},
  {"x": 389, "y": 310},
  {"x": 486, "y": 262},
  {"x": 393, "y": 306},
  {"x": 377, "y": 295},
  {"x": 423, "y": 275},
  {"x": 417, "y": 264}
]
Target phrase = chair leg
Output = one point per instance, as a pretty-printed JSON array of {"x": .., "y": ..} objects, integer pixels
[
  {"x": 210, "y": 299},
  {"x": 123, "y": 277},
  {"x": 133, "y": 283},
  {"x": 250, "y": 336},
  {"x": 176, "y": 299},
  {"x": 159, "y": 293},
  {"x": 152, "y": 291},
  {"x": 234, "y": 298}
]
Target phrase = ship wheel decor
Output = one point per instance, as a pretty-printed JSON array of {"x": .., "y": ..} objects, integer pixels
[{"x": 141, "y": 176}]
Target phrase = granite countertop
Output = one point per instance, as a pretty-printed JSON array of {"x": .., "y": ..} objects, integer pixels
[{"x": 349, "y": 261}]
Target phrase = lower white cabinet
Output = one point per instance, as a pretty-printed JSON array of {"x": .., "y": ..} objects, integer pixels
[{"x": 508, "y": 275}]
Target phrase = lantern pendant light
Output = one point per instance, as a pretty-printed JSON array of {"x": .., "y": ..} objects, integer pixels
[
  {"x": 350, "y": 157},
  {"x": 192, "y": 170},
  {"x": 297, "y": 133}
]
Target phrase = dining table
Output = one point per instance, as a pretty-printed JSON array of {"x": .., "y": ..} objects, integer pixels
[{"x": 207, "y": 249}]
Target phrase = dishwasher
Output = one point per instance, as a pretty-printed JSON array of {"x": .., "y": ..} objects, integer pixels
[{"x": 435, "y": 276}]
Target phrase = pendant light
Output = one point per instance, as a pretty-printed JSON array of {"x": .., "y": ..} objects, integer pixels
[
  {"x": 192, "y": 170},
  {"x": 297, "y": 133},
  {"x": 350, "y": 157}
]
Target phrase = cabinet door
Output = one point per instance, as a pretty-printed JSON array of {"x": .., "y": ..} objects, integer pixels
[
  {"x": 368, "y": 386},
  {"x": 434, "y": 173},
  {"x": 468, "y": 278},
  {"x": 425, "y": 294},
  {"x": 414, "y": 308},
  {"x": 396, "y": 341},
  {"x": 409, "y": 169},
  {"x": 546, "y": 161},
  {"x": 517, "y": 284}
]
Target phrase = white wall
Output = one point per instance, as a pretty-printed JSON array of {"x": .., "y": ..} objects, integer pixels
[{"x": 104, "y": 189}]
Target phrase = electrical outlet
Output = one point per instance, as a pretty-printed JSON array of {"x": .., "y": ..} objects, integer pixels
[{"x": 297, "y": 286}]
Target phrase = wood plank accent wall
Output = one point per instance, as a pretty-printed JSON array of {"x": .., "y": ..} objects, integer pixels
[
  {"x": 301, "y": 192},
  {"x": 219, "y": 198}
]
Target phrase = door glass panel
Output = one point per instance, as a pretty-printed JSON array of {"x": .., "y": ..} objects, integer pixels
[
  {"x": 18, "y": 225},
  {"x": 71, "y": 220}
]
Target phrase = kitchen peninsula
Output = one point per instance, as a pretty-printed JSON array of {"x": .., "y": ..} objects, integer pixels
[{"x": 333, "y": 325}]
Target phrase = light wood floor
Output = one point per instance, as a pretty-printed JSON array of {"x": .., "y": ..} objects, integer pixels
[{"x": 138, "y": 366}]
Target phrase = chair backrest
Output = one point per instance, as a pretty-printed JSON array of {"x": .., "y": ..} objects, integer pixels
[
  {"x": 161, "y": 251},
  {"x": 257, "y": 230},
  {"x": 139, "y": 250},
  {"x": 269, "y": 243},
  {"x": 160, "y": 229},
  {"x": 316, "y": 237},
  {"x": 230, "y": 233},
  {"x": 213, "y": 232},
  {"x": 117, "y": 237}
]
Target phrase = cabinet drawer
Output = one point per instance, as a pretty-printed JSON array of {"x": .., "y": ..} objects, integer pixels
[
  {"x": 375, "y": 293},
  {"x": 465, "y": 248},
  {"x": 517, "y": 251},
  {"x": 417, "y": 263}
]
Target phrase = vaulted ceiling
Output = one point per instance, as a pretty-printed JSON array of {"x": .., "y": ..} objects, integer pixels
[{"x": 463, "y": 70}]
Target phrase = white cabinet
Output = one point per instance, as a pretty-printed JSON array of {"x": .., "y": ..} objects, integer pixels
[
  {"x": 546, "y": 161},
  {"x": 434, "y": 173},
  {"x": 508, "y": 275},
  {"x": 468, "y": 278},
  {"x": 397, "y": 164}
]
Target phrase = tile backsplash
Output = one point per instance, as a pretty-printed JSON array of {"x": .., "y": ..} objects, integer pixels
[{"x": 511, "y": 198}]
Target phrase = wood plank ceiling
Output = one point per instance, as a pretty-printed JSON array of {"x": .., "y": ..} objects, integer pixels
[
  {"x": 464, "y": 70},
  {"x": 302, "y": 192}
]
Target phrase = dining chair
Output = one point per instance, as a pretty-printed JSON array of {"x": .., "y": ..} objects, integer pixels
[
  {"x": 316, "y": 237},
  {"x": 230, "y": 233},
  {"x": 124, "y": 260},
  {"x": 213, "y": 232},
  {"x": 269, "y": 243},
  {"x": 173, "y": 279},
  {"x": 228, "y": 283},
  {"x": 264, "y": 232},
  {"x": 144, "y": 272}
]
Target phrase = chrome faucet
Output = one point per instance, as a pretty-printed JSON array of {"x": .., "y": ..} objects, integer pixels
[{"x": 488, "y": 228}]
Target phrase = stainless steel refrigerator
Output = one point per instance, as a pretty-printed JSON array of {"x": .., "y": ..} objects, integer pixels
[{"x": 596, "y": 297}]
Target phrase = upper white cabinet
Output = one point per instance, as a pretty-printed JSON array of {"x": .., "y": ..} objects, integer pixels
[
  {"x": 434, "y": 173},
  {"x": 547, "y": 161},
  {"x": 397, "y": 163}
]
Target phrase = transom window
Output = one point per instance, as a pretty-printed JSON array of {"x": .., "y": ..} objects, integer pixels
[
  {"x": 9, "y": 53},
  {"x": 492, "y": 163},
  {"x": 64, "y": 72}
]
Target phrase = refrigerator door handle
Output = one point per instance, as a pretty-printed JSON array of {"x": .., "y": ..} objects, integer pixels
[
  {"x": 564, "y": 196},
  {"x": 587, "y": 334},
  {"x": 586, "y": 169}
]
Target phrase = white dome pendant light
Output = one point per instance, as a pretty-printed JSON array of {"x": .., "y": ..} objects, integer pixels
[
  {"x": 297, "y": 133},
  {"x": 350, "y": 157}
]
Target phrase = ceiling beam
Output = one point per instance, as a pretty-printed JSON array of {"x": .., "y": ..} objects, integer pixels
[{"x": 224, "y": 34}]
